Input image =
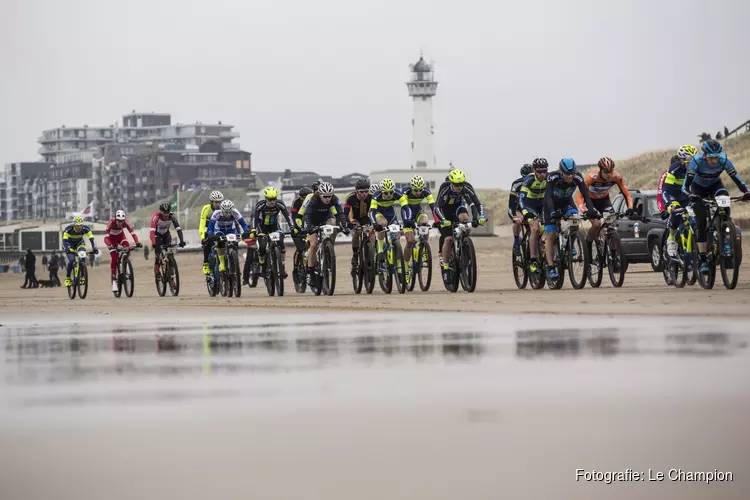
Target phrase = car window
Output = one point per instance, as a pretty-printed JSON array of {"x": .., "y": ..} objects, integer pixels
[
  {"x": 652, "y": 206},
  {"x": 617, "y": 205},
  {"x": 638, "y": 202}
]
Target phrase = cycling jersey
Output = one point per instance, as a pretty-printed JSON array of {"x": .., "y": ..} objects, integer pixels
[
  {"x": 384, "y": 206},
  {"x": 265, "y": 217},
  {"x": 227, "y": 224},
  {"x": 74, "y": 239},
  {"x": 296, "y": 205},
  {"x": 206, "y": 212},
  {"x": 513, "y": 196},
  {"x": 558, "y": 192},
  {"x": 703, "y": 175},
  {"x": 357, "y": 209},
  {"x": 115, "y": 229},
  {"x": 531, "y": 194},
  {"x": 160, "y": 224},
  {"x": 411, "y": 203},
  {"x": 599, "y": 188},
  {"x": 448, "y": 202},
  {"x": 314, "y": 212}
]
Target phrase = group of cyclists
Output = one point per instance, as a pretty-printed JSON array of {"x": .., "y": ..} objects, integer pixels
[
  {"x": 537, "y": 199},
  {"x": 542, "y": 195}
]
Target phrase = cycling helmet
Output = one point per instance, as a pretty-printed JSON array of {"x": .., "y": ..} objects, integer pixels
[
  {"x": 540, "y": 164},
  {"x": 164, "y": 207},
  {"x": 326, "y": 188},
  {"x": 606, "y": 164},
  {"x": 386, "y": 185},
  {"x": 675, "y": 159},
  {"x": 456, "y": 177},
  {"x": 417, "y": 183},
  {"x": 215, "y": 196},
  {"x": 686, "y": 153},
  {"x": 77, "y": 220},
  {"x": 362, "y": 184},
  {"x": 270, "y": 193},
  {"x": 120, "y": 215},
  {"x": 712, "y": 148},
  {"x": 526, "y": 169},
  {"x": 227, "y": 206},
  {"x": 316, "y": 186},
  {"x": 568, "y": 166},
  {"x": 374, "y": 188},
  {"x": 304, "y": 192}
]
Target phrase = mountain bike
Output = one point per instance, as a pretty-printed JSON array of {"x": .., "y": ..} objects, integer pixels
[
  {"x": 390, "y": 262},
  {"x": 324, "y": 274},
  {"x": 231, "y": 279},
  {"x": 252, "y": 254},
  {"x": 421, "y": 260},
  {"x": 168, "y": 273},
  {"x": 79, "y": 282},
  {"x": 462, "y": 259},
  {"x": 722, "y": 243},
  {"x": 363, "y": 271},
  {"x": 125, "y": 275},
  {"x": 570, "y": 250},
  {"x": 520, "y": 258},
  {"x": 213, "y": 279},
  {"x": 680, "y": 269},
  {"x": 299, "y": 270},
  {"x": 607, "y": 252},
  {"x": 273, "y": 269}
]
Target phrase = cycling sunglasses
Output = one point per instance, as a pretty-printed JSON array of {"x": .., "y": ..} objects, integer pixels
[{"x": 363, "y": 191}]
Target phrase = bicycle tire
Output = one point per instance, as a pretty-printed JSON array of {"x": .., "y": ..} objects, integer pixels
[
  {"x": 598, "y": 261},
  {"x": 730, "y": 270},
  {"x": 328, "y": 268},
  {"x": 399, "y": 264},
  {"x": 358, "y": 271},
  {"x": 160, "y": 279},
  {"x": 385, "y": 277},
  {"x": 581, "y": 239},
  {"x": 174, "y": 276},
  {"x": 520, "y": 265},
  {"x": 299, "y": 274},
  {"x": 370, "y": 267},
  {"x": 82, "y": 285},
  {"x": 279, "y": 264},
  {"x": 468, "y": 265},
  {"x": 616, "y": 259},
  {"x": 129, "y": 278},
  {"x": 424, "y": 261}
]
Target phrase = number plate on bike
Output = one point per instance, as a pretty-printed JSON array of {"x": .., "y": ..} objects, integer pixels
[
  {"x": 328, "y": 230},
  {"x": 610, "y": 217},
  {"x": 424, "y": 230},
  {"x": 275, "y": 236},
  {"x": 231, "y": 237},
  {"x": 81, "y": 254},
  {"x": 394, "y": 228},
  {"x": 723, "y": 201}
]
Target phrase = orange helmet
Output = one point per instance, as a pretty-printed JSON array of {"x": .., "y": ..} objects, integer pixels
[{"x": 606, "y": 164}]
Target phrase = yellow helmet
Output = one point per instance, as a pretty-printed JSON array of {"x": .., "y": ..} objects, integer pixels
[
  {"x": 387, "y": 185},
  {"x": 78, "y": 220},
  {"x": 417, "y": 183},
  {"x": 686, "y": 152},
  {"x": 456, "y": 177},
  {"x": 270, "y": 193}
]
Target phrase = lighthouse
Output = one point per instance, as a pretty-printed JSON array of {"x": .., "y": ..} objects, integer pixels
[{"x": 422, "y": 88}]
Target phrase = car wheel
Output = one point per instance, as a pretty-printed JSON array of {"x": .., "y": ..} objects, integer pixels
[{"x": 654, "y": 250}]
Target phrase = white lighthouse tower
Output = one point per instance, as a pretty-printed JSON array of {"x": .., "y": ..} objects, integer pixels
[{"x": 422, "y": 88}]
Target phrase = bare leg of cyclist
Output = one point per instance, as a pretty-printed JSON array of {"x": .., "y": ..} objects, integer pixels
[
  {"x": 381, "y": 221},
  {"x": 534, "y": 243},
  {"x": 549, "y": 248},
  {"x": 222, "y": 263}
]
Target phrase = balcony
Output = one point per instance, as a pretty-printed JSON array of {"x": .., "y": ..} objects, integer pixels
[{"x": 229, "y": 134}]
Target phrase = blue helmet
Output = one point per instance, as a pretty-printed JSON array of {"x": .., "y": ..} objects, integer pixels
[
  {"x": 568, "y": 166},
  {"x": 712, "y": 148}
]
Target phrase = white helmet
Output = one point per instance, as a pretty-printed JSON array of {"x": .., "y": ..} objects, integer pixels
[
  {"x": 325, "y": 188},
  {"x": 120, "y": 215},
  {"x": 216, "y": 196},
  {"x": 227, "y": 205},
  {"x": 374, "y": 188}
]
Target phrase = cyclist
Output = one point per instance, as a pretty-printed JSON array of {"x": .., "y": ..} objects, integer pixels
[
  {"x": 531, "y": 205},
  {"x": 214, "y": 202},
  {"x": 599, "y": 182},
  {"x": 160, "y": 235},
  {"x": 226, "y": 220},
  {"x": 374, "y": 189},
  {"x": 114, "y": 236},
  {"x": 73, "y": 236},
  {"x": 320, "y": 208},
  {"x": 382, "y": 212},
  {"x": 299, "y": 241},
  {"x": 558, "y": 197},
  {"x": 265, "y": 220},
  {"x": 357, "y": 206},
  {"x": 411, "y": 212},
  {"x": 703, "y": 180},
  {"x": 671, "y": 192},
  {"x": 452, "y": 204},
  {"x": 513, "y": 212}
]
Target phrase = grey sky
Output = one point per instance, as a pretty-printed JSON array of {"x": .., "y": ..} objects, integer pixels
[{"x": 320, "y": 85}]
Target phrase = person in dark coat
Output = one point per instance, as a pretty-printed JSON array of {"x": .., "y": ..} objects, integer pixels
[
  {"x": 54, "y": 266},
  {"x": 30, "y": 261}
]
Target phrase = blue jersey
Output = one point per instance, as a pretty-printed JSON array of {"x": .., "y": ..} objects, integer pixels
[
  {"x": 227, "y": 224},
  {"x": 557, "y": 190},
  {"x": 673, "y": 182},
  {"x": 74, "y": 239},
  {"x": 700, "y": 173}
]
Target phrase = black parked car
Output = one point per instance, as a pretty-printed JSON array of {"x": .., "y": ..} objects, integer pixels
[{"x": 641, "y": 233}]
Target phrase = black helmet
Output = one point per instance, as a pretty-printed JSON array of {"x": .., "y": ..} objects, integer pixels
[
  {"x": 165, "y": 207},
  {"x": 540, "y": 163},
  {"x": 526, "y": 169},
  {"x": 315, "y": 185},
  {"x": 362, "y": 184},
  {"x": 304, "y": 192}
]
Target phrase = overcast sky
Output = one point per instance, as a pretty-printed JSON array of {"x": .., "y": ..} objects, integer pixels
[{"x": 320, "y": 85}]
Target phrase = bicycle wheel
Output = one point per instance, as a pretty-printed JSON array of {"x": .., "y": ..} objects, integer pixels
[
  {"x": 615, "y": 259},
  {"x": 279, "y": 266},
  {"x": 235, "y": 277},
  {"x": 598, "y": 260},
  {"x": 468, "y": 265},
  {"x": 160, "y": 279},
  {"x": 667, "y": 261},
  {"x": 520, "y": 263},
  {"x": 212, "y": 279},
  {"x": 537, "y": 278},
  {"x": 73, "y": 288},
  {"x": 385, "y": 278},
  {"x": 706, "y": 280},
  {"x": 412, "y": 268},
  {"x": 424, "y": 264},
  {"x": 298, "y": 275},
  {"x": 452, "y": 284},
  {"x": 358, "y": 271},
  {"x": 83, "y": 281},
  {"x": 328, "y": 268},
  {"x": 173, "y": 275},
  {"x": 128, "y": 279},
  {"x": 400, "y": 267},
  {"x": 730, "y": 270},
  {"x": 676, "y": 268},
  {"x": 118, "y": 293},
  {"x": 269, "y": 274},
  {"x": 252, "y": 254},
  {"x": 369, "y": 264},
  {"x": 578, "y": 253}
]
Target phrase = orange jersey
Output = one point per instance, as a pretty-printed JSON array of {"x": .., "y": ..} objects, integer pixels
[{"x": 599, "y": 187}]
